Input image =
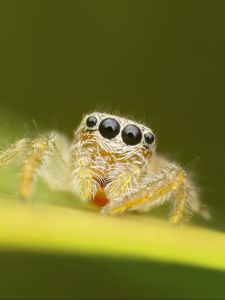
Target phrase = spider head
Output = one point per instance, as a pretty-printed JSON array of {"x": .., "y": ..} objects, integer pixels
[{"x": 116, "y": 137}]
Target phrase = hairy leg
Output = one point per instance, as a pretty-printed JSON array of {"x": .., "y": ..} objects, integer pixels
[
  {"x": 169, "y": 183},
  {"x": 83, "y": 181},
  {"x": 86, "y": 173},
  {"x": 56, "y": 170},
  {"x": 36, "y": 156},
  {"x": 122, "y": 181},
  {"x": 15, "y": 151}
]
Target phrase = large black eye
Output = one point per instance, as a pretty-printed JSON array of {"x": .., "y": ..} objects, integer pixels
[
  {"x": 109, "y": 128},
  {"x": 131, "y": 135},
  {"x": 149, "y": 138},
  {"x": 91, "y": 121}
]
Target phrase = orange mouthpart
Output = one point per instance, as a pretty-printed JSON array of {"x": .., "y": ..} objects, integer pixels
[{"x": 100, "y": 198}]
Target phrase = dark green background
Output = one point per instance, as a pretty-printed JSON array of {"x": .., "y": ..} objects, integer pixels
[
  {"x": 59, "y": 277},
  {"x": 160, "y": 61}
]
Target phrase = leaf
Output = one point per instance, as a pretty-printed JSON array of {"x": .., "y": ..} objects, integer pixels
[{"x": 48, "y": 228}]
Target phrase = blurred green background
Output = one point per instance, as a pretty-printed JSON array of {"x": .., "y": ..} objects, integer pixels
[{"x": 162, "y": 62}]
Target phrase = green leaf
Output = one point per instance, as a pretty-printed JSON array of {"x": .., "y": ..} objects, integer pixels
[{"x": 48, "y": 228}]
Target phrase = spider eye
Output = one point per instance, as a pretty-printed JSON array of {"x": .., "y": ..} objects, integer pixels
[
  {"x": 91, "y": 121},
  {"x": 131, "y": 135},
  {"x": 109, "y": 128},
  {"x": 149, "y": 138}
]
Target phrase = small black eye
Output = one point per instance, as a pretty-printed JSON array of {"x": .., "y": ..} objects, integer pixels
[
  {"x": 91, "y": 121},
  {"x": 131, "y": 135},
  {"x": 109, "y": 128},
  {"x": 149, "y": 138}
]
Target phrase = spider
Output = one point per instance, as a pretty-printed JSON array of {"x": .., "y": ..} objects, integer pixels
[{"x": 111, "y": 162}]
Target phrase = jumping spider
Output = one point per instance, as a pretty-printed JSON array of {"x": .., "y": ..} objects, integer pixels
[{"x": 112, "y": 162}]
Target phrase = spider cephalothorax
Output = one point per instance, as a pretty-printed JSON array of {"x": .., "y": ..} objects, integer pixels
[{"x": 112, "y": 162}]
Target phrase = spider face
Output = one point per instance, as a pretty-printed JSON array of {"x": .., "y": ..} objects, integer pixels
[
  {"x": 116, "y": 135},
  {"x": 109, "y": 145}
]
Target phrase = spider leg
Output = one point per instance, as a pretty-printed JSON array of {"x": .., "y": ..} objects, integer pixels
[
  {"x": 170, "y": 183},
  {"x": 123, "y": 181},
  {"x": 35, "y": 157},
  {"x": 14, "y": 152},
  {"x": 46, "y": 156},
  {"x": 56, "y": 169},
  {"x": 83, "y": 181}
]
